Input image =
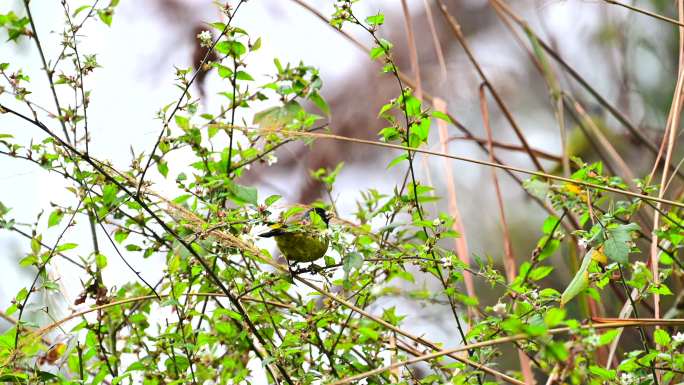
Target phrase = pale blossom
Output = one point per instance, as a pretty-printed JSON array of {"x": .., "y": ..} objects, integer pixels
[
  {"x": 499, "y": 308},
  {"x": 678, "y": 338},
  {"x": 205, "y": 38}
]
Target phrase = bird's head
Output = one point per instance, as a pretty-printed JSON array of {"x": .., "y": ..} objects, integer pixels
[{"x": 325, "y": 215}]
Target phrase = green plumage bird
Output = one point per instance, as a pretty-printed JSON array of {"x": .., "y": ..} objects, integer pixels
[{"x": 302, "y": 238}]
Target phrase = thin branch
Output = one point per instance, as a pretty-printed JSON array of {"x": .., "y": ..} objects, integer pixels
[
  {"x": 470, "y": 160},
  {"x": 41, "y": 269},
  {"x": 645, "y": 12},
  {"x": 198, "y": 70},
  {"x": 48, "y": 72},
  {"x": 509, "y": 259},
  {"x": 511, "y": 147},
  {"x": 429, "y": 98},
  {"x": 456, "y": 29},
  {"x": 212, "y": 275},
  {"x": 48, "y": 328},
  {"x": 610, "y": 324}
]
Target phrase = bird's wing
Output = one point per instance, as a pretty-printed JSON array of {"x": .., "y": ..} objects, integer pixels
[{"x": 276, "y": 229}]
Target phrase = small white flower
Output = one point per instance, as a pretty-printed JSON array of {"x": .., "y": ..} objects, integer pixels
[
  {"x": 447, "y": 262},
  {"x": 678, "y": 338},
  {"x": 628, "y": 379},
  {"x": 499, "y": 308},
  {"x": 436, "y": 222},
  {"x": 205, "y": 38},
  {"x": 534, "y": 294},
  {"x": 593, "y": 340},
  {"x": 582, "y": 243},
  {"x": 271, "y": 159}
]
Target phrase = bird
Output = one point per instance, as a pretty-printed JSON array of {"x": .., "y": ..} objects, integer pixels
[{"x": 301, "y": 238}]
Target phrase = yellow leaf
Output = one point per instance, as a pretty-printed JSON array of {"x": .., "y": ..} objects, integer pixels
[
  {"x": 576, "y": 190},
  {"x": 573, "y": 188},
  {"x": 599, "y": 256}
]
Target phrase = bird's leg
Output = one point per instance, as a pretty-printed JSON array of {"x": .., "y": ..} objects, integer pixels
[
  {"x": 313, "y": 269},
  {"x": 289, "y": 268}
]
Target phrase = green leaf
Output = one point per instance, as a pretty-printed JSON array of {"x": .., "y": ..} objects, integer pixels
[
  {"x": 422, "y": 129},
  {"x": 17, "y": 378},
  {"x": 370, "y": 333},
  {"x": 376, "y": 52},
  {"x": 377, "y": 19},
  {"x": 278, "y": 117},
  {"x": 106, "y": 16},
  {"x": 554, "y": 316},
  {"x": 233, "y": 48},
  {"x": 661, "y": 289},
  {"x": 442, "y": 116},
  {"x": 47, "y": 376},
  {"x": 661, "y": 337},
  {"x": 550, "y": 223},
  {"x": 79, "y": 9},
  {"x": 558, "y": 350},
  {"x": 397, "y": 160},
  {"x": 22, "y": 294},
  {"x": 55, "y": 217},
  {"x": 12, "y": 309},
  {"x": 100, "y": 261},
  {"x": 618, "y": 240},
  {"x": 608, "y": 337},
  {"x": 606, "y": 374},
  {"x": 549, "y": 247},
  {"x": 242, "y": 75},
  {"x": 291, "y": 211},
  {"x": 28, "y": 260},
  {"x": 272, "y": 199},
  {"x": 256, "y": 45},
  {"x": 223, "y": 71},
  {"x": 412, "y": 106},
  {"x": 181, "y": 198},
  {"x": 318, "y": 100},
  {"x": 540, "y": 272},
  {"x": 278, "y": 65},
  {"x": 65, "y": 247},
  {"x": 352, "y": 261},
  {"x": 242, "y": 194},
  {"x": 109, "y": 194},
  {"x": 163, "y": 168},
  {"x": 138, "y": 365},
  {"x": 549, "y": 292},
  {"x": 35, "y": 244},
  {"x": 579, "y": 282},
  {"x": 537, "y": 188},
  {"x": 133, "y": 247},
  {"x": 182, "y": 122}
]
